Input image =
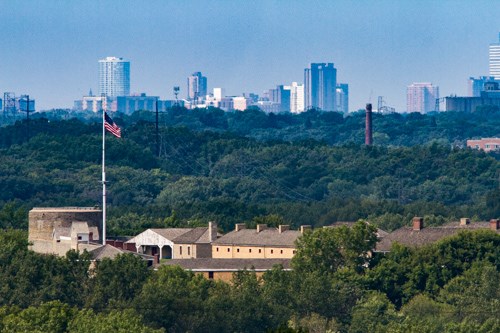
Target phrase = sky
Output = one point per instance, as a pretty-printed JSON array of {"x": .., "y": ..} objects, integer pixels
[{"x": 50, "y": 49}]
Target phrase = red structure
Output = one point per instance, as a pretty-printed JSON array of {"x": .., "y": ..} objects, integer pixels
[{"x": 368, "y": 125}]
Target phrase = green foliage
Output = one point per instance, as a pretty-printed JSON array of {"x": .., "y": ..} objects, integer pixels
[{"x": 326, "y": 250}]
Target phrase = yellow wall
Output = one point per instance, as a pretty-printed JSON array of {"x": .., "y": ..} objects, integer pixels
[{"x": 252, "y": 252}]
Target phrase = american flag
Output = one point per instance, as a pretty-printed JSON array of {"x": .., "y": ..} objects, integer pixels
[{"x": 110, "y": 125}]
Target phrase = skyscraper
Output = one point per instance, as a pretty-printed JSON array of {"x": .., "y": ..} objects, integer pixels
[
  {"x": 114, "y": 77},
  {"x": 342, "y": 98},
  {"x": 197, "y": 86},
  {"x": 495, "y": 59},
  {"x": 296, "y": 98},
  {"x": 320, "y": 83},
  {"x": 421, "y": 97}
]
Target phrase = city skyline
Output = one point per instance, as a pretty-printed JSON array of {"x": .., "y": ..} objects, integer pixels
[{"x": 49, "y": 49}]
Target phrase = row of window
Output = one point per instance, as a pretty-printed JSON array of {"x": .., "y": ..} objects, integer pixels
[
  {"x": 250, "y": 250},
  {"x": 188, "y": 249}
]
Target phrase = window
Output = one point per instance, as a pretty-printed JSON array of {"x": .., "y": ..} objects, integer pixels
[
  {"x": 477, "y": 146},
  {"x": 228, "y": 249},
  {"x": 487, "y": 146},
  {"x": 180, "y": 250},
  {"x": 189, "y": 250},
  {"x": 249, "y": 250},
  {"x": 281, "y": 251},
  {"x": 260, "y": 250},
  {"x": 238, "y": 250},
  {"x": 294, "y": 251},
  {"x": 210, "y": 275},
  {"x": 272, "y": 251},
  {"x": 217, "y": 249}
]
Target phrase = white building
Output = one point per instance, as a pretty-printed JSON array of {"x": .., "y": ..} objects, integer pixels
[
  {"x": 114, "y": 77},
  {"x": 342, "y": 99},
  {"x": 296, "y": 97},
  {"x": 495, "y": 59},
  {"x": 421, "y": 97}
]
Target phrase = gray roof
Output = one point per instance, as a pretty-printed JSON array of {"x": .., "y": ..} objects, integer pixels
[
  {"x": 211, "y": 264},
  {"x": 171, "y": 233},
  {"x": 196, "y": 235},
  {"x": 427, "y": 235},
  {"x": 267, "y": 237}
]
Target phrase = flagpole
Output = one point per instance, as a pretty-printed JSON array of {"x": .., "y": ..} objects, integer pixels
[{"x": 103, "y": 171}]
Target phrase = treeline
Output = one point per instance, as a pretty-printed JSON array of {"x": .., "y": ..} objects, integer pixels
[
  {"x": 201, "y": 176},
  {"x": 335, "y": 286}
]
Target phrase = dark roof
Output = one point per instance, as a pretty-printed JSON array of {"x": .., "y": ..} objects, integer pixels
[
  {"x": 427, "y": 235},
  {"x": 211, "y": 264},
  {"x": 267, "y": 237},
  {"x": 196, "y": 235}
]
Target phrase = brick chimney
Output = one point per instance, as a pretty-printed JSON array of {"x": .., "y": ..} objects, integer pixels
[
  {"x": 283, "y": 227},
  {"x": 261, "y": 227},
  {"x": 212, "y": 231},
  {"x": 368, "y": 125},
  {"x": 305, "y": 228},
  {"x": 418, "y": 223},
  {"x": 239, "y": 226},
  {"x": 464, "y": 221},
  {"x": 495, "y": 224}
]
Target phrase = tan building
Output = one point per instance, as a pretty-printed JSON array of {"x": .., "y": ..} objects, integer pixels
[
  {"x": 487, "y": 144},
  {"x": 58, "y": 230},
  {"x": 260, "y": 243},
  {"x": 223, "y": 269},
  {"x": 176, "y": 243},
  {"x": 418, "y": 235}
]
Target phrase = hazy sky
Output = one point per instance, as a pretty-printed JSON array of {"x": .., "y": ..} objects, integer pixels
[{"x": 50, "y": 49}]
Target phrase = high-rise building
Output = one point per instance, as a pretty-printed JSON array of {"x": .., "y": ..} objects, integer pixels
[
  {"x": 320, "y": 83},
  {"x": 342, "y": 98},
  {"x": 476, "y": 85},
  {"x": 114, "y": 77},
  {"x": 495, "y": 59},
  {"x": 197, "y": 86},
  {"x": 421, "y": 97},
  {"x": 296, "y": 98}
]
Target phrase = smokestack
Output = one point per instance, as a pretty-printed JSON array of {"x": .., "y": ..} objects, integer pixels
[{"x": 368, "y": 125}]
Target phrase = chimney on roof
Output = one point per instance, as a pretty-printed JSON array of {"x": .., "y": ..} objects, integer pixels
[
  {"x": 305, "y": 228},
  {"x": 418, "y": 223},
  {"x": 464, "y": 221},
  {"x": 495, "y": 224},
  {"x": 239, "y": 226},
  {"x": 261, "y": 227},
  {"x": 212, "y": 231},
  {"x": 283, "y": 227}
]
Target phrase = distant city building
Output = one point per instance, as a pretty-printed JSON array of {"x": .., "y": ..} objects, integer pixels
[
  {"x": 490, "y": 95},
  {"x": 476, "y": 85},
  {"x": 240, "y": 103},
  {"x": 495, "y": 59},
  {"x": 296, "y": 98},
  {"x": 342, "y": 98},
  {"x": 268, "y": 106},
  {"x": 320, "y": 84},
  {"x": 12, "y": 104},
  {"x": 486, "y": 144},
  {"x": 197, "y": 86},
  {"x": 130, "y": 104},
  {"x": 114, "y": 77},
  {"x": 421, "y": 97},
  {"x": 219, "y": 93}
]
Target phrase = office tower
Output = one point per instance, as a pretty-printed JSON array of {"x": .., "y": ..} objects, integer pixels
[
  {"x": 495, "y": 59},
  {"x": 320, "y": 83},
  {"x": 197, "y": 87},
  {"x": 114, "y": 77},
  {"x": 421, "y": 97},
  {"x": 296, "y": 98},
  {"x": 342, "y": 98}
]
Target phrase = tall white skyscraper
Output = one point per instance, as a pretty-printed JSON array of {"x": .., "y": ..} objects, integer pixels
[
  {"x": 421, "y": 97},
  {"x": 114, "y": 77},
  {"x": 320, "y": 85},
  {"x": 495, "y": 59},
  {"x": 296, "y": 97}
]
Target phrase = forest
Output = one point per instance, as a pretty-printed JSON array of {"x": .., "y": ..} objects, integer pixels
[
  {"x": 251, "y": 167},
  {"x": 209, "y": 165}
]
